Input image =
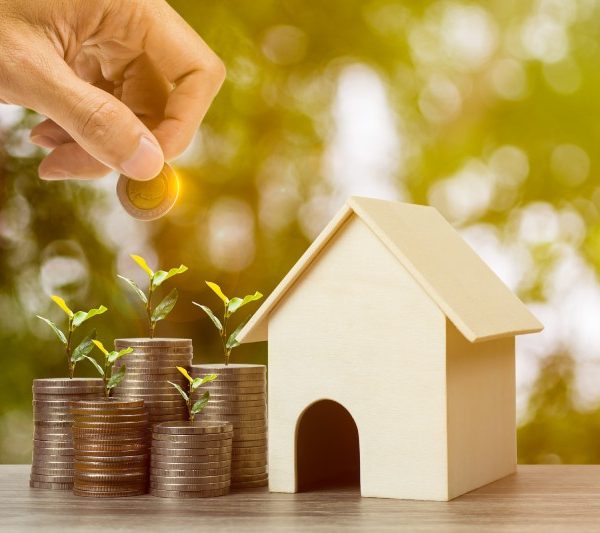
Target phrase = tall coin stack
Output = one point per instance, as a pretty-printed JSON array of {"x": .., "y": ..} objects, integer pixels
[
  {"x": 111, "y": 441},
  {"x": 238, "y": 395},
  {"x": 191, "y": 459},
  {"x": 150, "y": 366},
  {"x": 52, "y": 461}
]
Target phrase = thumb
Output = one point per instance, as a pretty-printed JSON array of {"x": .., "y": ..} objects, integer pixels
[{"x": 100, "y": 123}]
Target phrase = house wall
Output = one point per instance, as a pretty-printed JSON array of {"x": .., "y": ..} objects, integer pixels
[
  {"x": 357, "y": 329},
  {"x": 482, "y": 444}
]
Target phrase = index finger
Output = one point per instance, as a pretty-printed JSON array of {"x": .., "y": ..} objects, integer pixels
[{"x": 195, "y": 71}]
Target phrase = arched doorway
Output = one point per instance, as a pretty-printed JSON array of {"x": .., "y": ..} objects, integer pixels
[{"x": 327, "y": 447}]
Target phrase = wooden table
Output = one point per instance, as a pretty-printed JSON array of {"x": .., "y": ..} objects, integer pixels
[{"x": 537, "y": 498}]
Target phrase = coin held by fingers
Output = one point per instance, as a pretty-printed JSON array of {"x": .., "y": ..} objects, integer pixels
[{"x": 152, "y": 199}]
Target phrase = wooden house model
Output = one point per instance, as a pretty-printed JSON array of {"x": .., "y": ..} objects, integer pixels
[{"x": 391, "y": 359}]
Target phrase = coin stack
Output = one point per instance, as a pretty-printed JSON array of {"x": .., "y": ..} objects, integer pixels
[
  {"x": 52, "y": 464},
  {"x": 191, "y": 459},
  {"x": 238, "y": 395},
  {"x": 111, "y": 441},
  {"x": 150, "y": 366}
]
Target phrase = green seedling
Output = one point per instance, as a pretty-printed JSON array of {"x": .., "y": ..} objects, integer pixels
[
  {"x": 81, "y": 351},
  {"x": 231, "y": 305},
  {"x": 110, "y": 358},
  {"x": 156, "y": 279},
  {"x": 193, "y": 384}
]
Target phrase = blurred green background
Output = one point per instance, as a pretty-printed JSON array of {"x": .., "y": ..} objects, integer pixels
[{"x": 486, "y": 110}]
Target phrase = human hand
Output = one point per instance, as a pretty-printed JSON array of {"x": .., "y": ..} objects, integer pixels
[{"x": 124, "y": 83}]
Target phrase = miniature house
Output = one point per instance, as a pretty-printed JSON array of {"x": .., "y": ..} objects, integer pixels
[{"x": 391, "y": 359}]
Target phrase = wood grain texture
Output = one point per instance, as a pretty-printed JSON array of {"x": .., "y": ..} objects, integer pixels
[{"x": 537, "y": 498}]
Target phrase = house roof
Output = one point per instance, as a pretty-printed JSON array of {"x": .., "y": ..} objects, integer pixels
[{"x": 471, "y": 296}]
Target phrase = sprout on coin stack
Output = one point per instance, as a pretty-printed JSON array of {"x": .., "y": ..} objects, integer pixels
[
  {"x": 110, "y": 358},
  {"x": 191, "y": 459},
  {"x": 110, "y": 438},
  {"x": 52, "y": 460},
  {"x": 238, "y": 396},
  {"x": 75, "y": 319},
  {"x": 230, "y": 306},
  {"x": 153, "y": 360},
  {"x": 156, "y": 279},
  {"x": 194, "y": 407}
]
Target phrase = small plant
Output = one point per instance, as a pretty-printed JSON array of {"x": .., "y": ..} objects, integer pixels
[
  {"x": 228, "y": 341},
  {"x": 81, "y": 351},
  {"x": 110, "y": 359},
  {"x": 193, "y": 384},
  {"x": 160, "y": 312}
]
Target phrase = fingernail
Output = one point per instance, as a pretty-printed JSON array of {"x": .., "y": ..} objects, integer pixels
[
  {"x": 55, "y": 175},
  {"x": 44, "y": 141},
  {"x": 146, "y": 162}
]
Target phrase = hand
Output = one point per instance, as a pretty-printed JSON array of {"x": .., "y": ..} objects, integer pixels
[{"x": 124, "y": 83}]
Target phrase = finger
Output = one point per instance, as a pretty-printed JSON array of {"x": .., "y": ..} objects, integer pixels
[
  {"x": 145, "y": 91},
  {"x": 102, "y": 125},
  {"x": 49, "y": 134},
  {"x": 196, "y": 72},
  {"x": 70, "y": 161}
]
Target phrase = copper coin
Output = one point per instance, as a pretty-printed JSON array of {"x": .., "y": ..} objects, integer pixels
[
  {"x": 155, "y": 341},
  {"x": 232, "y": 368}
]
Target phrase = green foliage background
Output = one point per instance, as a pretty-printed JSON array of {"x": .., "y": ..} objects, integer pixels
[{"x": 273, "y": 119}]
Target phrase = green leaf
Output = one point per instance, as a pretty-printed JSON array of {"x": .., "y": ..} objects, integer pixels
[
  {"x": 165, "y": 307},
  {"x": 181, "y": 391},
  {"x": 184, "y": 372},
  {"x": 232, "y": 341},
  {"x": 100, "y": 346},
  {"x": 142, "y": 263},
  {"x": 81, "y": 316},
  {"x": 61, "y": 303},
  {"x": 201, "y": 403},
  {"x": 113, "y": 356},
  {"x": 211, "y": 315},
  {"x": 84, "y": 347},
  {"x": 134, "y": 286},
  {"x": 162, "y": 276},
  {"x": 217, "y": 290},
  {"x": 115, "y": 379},
  {"x": 198, "y": 382},
  {"x": 54, "y": 327},
  {"x": 95, "y": 363},
  {"x": 235, "y": 303}
]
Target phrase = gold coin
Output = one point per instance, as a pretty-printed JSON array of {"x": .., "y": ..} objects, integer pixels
[{"x": 149, "y": 200}]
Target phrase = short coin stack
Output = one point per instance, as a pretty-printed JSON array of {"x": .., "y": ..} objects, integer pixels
[
  {"x": 191, "y": 459},
  {"x": 111, "y": 441},
  {"x": 238, "y": 395},
  {"x": 52, "y": 464},
  {"x": 150, "y": 366}
]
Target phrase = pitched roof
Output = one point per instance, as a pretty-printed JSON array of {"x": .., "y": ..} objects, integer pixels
[{"x": 471, "y": 296}]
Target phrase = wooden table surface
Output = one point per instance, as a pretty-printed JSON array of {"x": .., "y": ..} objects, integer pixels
[{"x": 538, "y": 498}]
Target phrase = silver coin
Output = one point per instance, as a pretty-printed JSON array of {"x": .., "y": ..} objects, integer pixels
[
  {"x": 155, "y": 341},
  {"x": 190, "y": 461},
  {"x": 189, "y": 473},
  {"x": 232, "y": 368},
  {"x": 194, "y": 428},
  {"x": 250, "y": 484},
  {"x": 189, "y": 494}
]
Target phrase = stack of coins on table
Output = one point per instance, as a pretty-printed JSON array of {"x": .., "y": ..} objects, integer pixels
[
  {"x": 191, "y": 460},
  {"x": 150, "y": 366},
  {"x": 111, "y": 441},
  {"x": 238, "y": 395},
  {"x": 52, "y": 462}
]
